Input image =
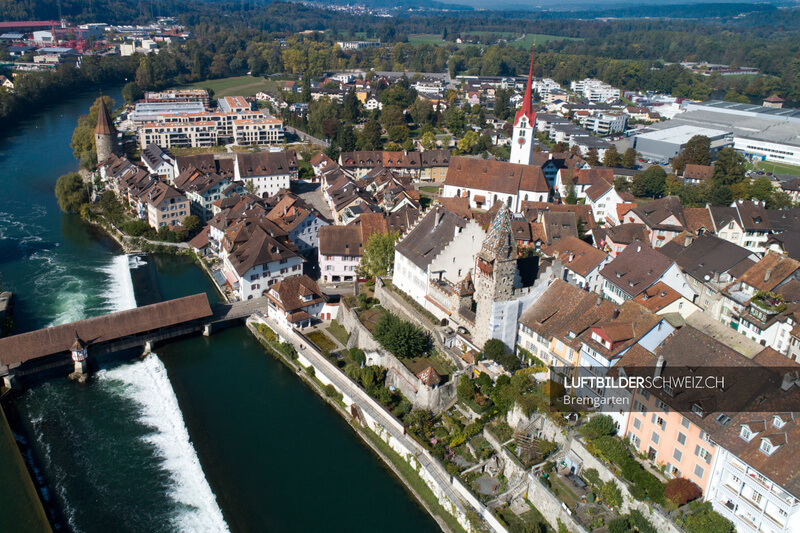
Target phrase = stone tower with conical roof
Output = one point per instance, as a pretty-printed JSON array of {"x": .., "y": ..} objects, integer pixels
[
  {"x": 524, "y": 125},
  {"x": 495, "y": 272},
  {"x": 105, "y": 134}
]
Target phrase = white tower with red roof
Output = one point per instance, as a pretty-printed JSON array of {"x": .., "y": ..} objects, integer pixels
[{"x": 524, "y": 125}]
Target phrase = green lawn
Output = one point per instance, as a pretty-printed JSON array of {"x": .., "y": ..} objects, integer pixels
[
  {"x": 432, "y": 190},
  {"x": 338, "y": 332},
  {"x": 236, "y": 86},
  {"x": 777, "y": 168},
  {"x": 538, "y": 38},
  {"x": 418, "y": 364},
  {"x": 321, "y": 340}
]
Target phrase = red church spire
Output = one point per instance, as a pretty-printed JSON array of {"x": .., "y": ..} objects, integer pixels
[{"x": 525, "y": 110}]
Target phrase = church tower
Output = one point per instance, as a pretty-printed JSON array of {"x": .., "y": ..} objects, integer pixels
[
  {"x": 105, "y": 134},
  {"x": 524, "y": 125},
  {"x": 495, "y": 271}
]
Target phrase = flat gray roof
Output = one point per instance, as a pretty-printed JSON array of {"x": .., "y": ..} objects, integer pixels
[
  {"x": 758, "y": 127},
  {"x": 735, "y": 108},
  {"x": 680, "y": 134}
]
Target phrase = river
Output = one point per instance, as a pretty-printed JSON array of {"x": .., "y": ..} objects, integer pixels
[{"x": 210, "y": 434}]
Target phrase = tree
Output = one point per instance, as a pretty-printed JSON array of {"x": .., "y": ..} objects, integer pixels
[
  {"x": 560, "y": 148},
  {"x": 733, "y": 96},
  {"x": 611, "y": 494},
  {"x": 428, "y": 140},
  {"x": 392, "y": 115},
  {"x": 83, "y": 141},
  {"x": 721, "y": 195},
  {"x": 673, "y": 185},
  {"x": 697, "y": 151},
  {"x": 575, "y": 150},
  {"x": 681, "y": 490},
  {"x": 466, "y": 388},
  {"x": 378, "y": 257},
  {"x": 131, "y": 92},
  {"x": 455, "y": 120},
  {"x": 347, "y": 138},
  {"x": 305, "y": 95},
  {"x": 192, "y": 223},
  {"x": 402, "y": 338},
  {"x": 611, "y": 158},
  {"x": 371, "y": 136},
  {"x": 760, "y": 189},
  {"x": 729, "y": 168},
  {"x": 502, "y": 109},
  {"x": 651, "y": 182},
  {"x": 629, "y": 158},
  {"x": 705, "y": 520},
  {"x": 466, "y": 144},
  {"x": 598, "y": 426},
  {"x": 422, "y": 111},
  {"x": 71, "y": 192},
  {"x": 592, "y": 158},
  {"x": 780, "y": 200},
  {"x": 494, "y": 349},
  {"x": 622, "y": 184},
  {"x": 351, "y": 110},
  {"x": 571, "y": 196}
]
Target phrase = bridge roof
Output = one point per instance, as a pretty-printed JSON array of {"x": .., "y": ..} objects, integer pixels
[{"x": 27, "y": 346}]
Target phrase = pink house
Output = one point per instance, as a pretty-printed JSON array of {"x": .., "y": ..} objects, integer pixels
[{"x": 340, "y": 250}]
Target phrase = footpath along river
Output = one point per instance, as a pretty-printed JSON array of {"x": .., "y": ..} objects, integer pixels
[{"x": 211, "y": 434}]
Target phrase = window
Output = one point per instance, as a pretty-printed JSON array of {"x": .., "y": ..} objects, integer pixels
[
  {"x": 777, "y": 422},
  {"x": 637, "y": 405},
  {"x": 645, "y": 394},
  {"x": 723, "y": 419},
  {"x": 696, "y": 409},
  {"x": 677, "y": 454},
  {"x": 702, "y": 453},
  {"x": 699, "y": 471},
  {"x": 681, "y": 438},
  {"x": 661, "y": 406},
  {"x": 655, "y": 438},
  {"x": 637, "y": 423},
  {"x": 685, "y": 422},
  {"x": 668, "y": 389},
  {"x": 657, "y": 420},
  {"x": 635, "y": 440},
  {"x": 767, "y": 447},
  {"x": 746, "y": 434}
]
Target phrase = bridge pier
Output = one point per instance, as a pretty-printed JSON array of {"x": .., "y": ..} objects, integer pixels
[
  {"x": 10, "y": 381},
  {"x": 148, "y": 347},
  {"x": 207, "y": 330}
]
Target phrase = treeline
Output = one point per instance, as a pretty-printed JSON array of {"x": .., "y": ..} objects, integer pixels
[{"x": 35, "y": 89}]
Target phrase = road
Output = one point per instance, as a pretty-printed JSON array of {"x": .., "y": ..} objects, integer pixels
[{"x": 305, "y": 137}]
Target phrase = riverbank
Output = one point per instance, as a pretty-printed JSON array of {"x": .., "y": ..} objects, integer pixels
[
  {"x": 391, "y": 459},
  {"x": 20, "y": 510}
]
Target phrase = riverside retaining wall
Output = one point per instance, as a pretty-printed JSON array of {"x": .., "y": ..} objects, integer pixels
[{"x": 448, "y": 490}]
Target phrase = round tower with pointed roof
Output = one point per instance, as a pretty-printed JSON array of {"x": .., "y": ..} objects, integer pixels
[
  {"x": 522, "y": 140},
  {"x": 105, "y": 134}
]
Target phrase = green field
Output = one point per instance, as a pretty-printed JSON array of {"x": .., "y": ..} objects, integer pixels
[
  {"x": 776, "y": 168},
  {"x": 513, "y": 40},
  {"x": 236, "y": 86}
]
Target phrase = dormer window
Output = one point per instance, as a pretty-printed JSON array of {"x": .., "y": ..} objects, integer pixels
[
  {"x": 777, "y": 422},
  {"x": 696, "y": 409},
  {"x": 767, "y": 447},
  {"x": 746, "y": 434}
]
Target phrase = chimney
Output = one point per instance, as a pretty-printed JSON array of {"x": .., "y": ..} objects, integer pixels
[
  {"x": 789, "y": 379},
  {"x": 599, "y": 301},
  {"x": 767, "y": 274},
  {"x": 571, "y": 257},
  {"x": 663, "y": 294},
  {"x": 615, "y": 314},
  {"x": 659, "y": 367},
  {"x": 639, "y": 248}
]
